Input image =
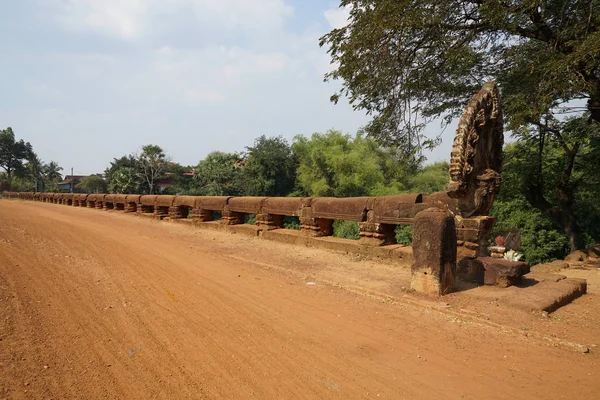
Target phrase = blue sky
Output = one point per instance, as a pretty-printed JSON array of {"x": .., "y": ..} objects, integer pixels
[{"x": 86, "y": 81}]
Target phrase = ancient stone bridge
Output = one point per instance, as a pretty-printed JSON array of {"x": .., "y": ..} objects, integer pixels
[{"x": 447, "y": 226}]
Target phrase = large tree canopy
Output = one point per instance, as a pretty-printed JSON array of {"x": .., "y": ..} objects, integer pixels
[
  {"x": 219, "y": 175},
  {"x": 334, "y": 164},
  {"x": 406, "y": 61},
  {"x": 152, "y": 162},
  {"x": 270, "y": 167}
]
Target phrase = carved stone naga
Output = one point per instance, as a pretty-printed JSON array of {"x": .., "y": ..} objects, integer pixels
[{"x": 476, "y": 158}]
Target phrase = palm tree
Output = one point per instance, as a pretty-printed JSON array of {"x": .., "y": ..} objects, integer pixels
[
  {"x": 52, "y": 173},
  {"x": 35, "y": 170}
]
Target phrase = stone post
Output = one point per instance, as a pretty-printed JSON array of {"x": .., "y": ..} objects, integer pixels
[
  {"x": 231, "y": 217},
  {"x": 434, "y": 252},
  {"x": 203, "y": 215},
  {"x": 175, "y": 212},
  {"x": 268, "y": 222},
  {"x": 376, "y": 234}
]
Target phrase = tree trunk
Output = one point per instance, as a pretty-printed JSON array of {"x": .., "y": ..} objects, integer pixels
[
  {"x": 572, "y": 229},
  {"x": 9, "y": 176},
  {"x": 563, "y": 213}
]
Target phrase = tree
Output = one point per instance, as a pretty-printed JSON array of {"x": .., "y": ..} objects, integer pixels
[
  {"x": 52, "y": 175},
  {"x": 3, "y": 181},
  {"x": 122, "y": 175},
  {"x": 334, "y": 164},
  {"x": 430, "y": 179},
  {"x": 404, "y": 62},
  {"x": 35, "y": 169},
  {"x": 180, "y": 178},
  {"x": 29, "y": 178},
  {"x": 270, "y": 168},
  {"x": 12, "y": 153},
  {"x": 124, "y": 180},
  {"x": 541, "y": 238},
  {"x": 152, "y": 162},
  {"x": 558, "y": 178},
  {"x": 219, "y": 174},
  {"x": 93, "y": 184}
]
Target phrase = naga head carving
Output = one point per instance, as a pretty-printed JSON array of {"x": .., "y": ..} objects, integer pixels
[{"x": 476, "y": 159}]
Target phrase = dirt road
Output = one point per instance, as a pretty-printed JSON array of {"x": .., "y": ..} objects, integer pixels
[{"x": 104, "y": 305}]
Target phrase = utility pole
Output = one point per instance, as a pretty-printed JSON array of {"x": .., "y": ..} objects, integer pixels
[{"x": 71, "y": 179}]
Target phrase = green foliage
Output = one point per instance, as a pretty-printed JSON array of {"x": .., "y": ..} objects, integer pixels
[
  {"x": 250, "y": 219},
  {"x": 93, "y": 184},
  {"x": 122, "y": 175},
  {"x": 270, "y": 168},
  {"x": 559, "y": 177},
  {"x": 124, "y": 180},
  {"x": 404, "y": 234},
  {"x": 346, "y": 229},
  {"x": 13, "y": 153},
  {"x": 3, "y": 182},
  {"x": 152, "y": 162},
  {"x": 406, "y": 61},
  {"x": 182, "y": 183},
  {"x": 541, "y": 241},
  {"x": 430, "y": 179},
  {"x": 334, "y": 164},
  {"x": 291, "y": 223},
  {"x": 52, "y": 172},
  {"x": 219, "y": 175}
]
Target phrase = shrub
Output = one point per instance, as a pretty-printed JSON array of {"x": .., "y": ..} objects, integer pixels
[{"x": 346, "y": 229}]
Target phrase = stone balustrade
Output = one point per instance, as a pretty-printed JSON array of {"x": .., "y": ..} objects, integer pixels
[{"x": 451, "y": 228}]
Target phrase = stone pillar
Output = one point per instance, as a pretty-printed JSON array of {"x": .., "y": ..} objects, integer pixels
[
  {"x": 315, "y": 227},
  {"x": 144, "y": 209},
  {"x": 232, "y": 217},
  {"x": 325, "y": 227},
  {"x": 175, "y": 212},
  {"x": 203, "y": 215},
  {"x": 161, "y": 212},
  {"x": 434, "y": 252},
  {"x": 308, "y": 224},
  {"x": 374, "y": 234},
  {"x": 474, "y": 233},
  {"x": 268, "y": 222}
]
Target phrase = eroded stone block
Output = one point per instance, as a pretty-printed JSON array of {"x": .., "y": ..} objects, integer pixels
[
  {"x": 503, "y": 273},
  {"x": 434, "y": 252}
]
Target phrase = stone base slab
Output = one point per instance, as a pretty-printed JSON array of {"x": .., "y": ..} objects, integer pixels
[
  {"x": 400, "y": 253},
  {"x": 537, "y": 292}
]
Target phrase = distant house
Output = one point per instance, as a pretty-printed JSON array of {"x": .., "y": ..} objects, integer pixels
[
  {"x": 71, "y": 182},
  {"x": 169, "y": 180}
]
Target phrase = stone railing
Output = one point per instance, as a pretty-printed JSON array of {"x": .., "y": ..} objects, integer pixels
[
  {"x": 377, "y": 217},
  {"x": 449, "y": 228}
]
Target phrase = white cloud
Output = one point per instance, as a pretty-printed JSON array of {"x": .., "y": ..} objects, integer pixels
[
  {"x": 133, "y": 19},
  {"x": 122, "y": 18},
  {"x": 337, "y": 17},
  {"x": 243, "y": 14}
]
